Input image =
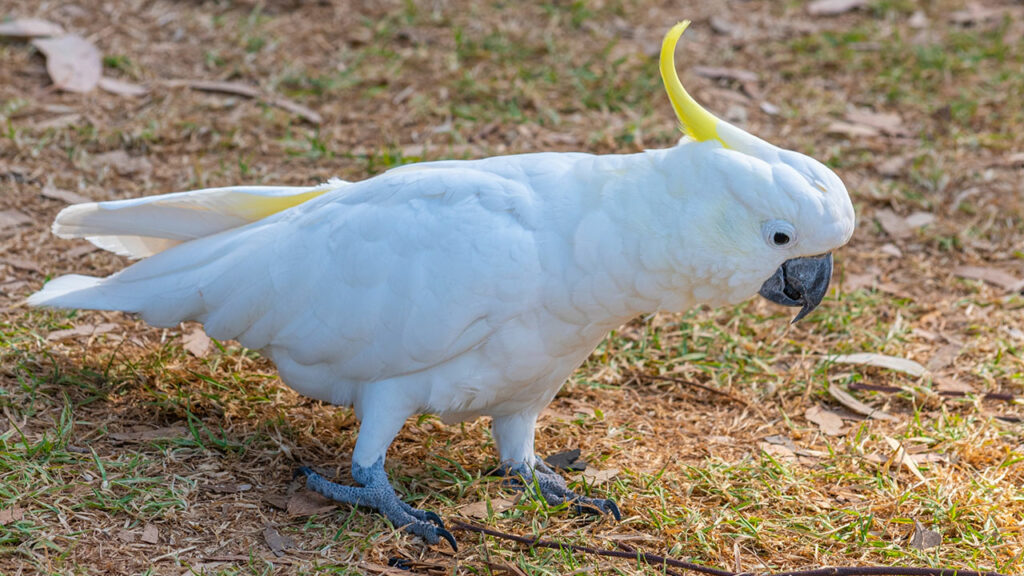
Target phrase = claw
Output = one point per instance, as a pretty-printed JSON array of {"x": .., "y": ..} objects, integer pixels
[
  {"x": 448, "y": 536},
  {"x": 614, "y": 509},
  {"x": 302, "y": 471},
  {"x": 432, "y": 517}
]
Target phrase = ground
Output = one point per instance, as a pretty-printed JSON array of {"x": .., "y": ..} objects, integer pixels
[{"x": 724, "y": 435}]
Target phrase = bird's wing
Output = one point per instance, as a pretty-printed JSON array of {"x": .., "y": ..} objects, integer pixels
[
  {"x": 383, "y": 277},
  {"x": 141, "y": 227}
]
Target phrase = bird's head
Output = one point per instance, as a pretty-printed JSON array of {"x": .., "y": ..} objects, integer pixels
[{"x": 780, "y": 214}]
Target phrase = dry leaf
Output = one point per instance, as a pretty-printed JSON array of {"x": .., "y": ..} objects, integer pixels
[
  {"x": 13, "y": 514},
  {"x": 166, "y": 433},
  {"x": 724, "y": 73},
  {"x": 196, "y": 342},
  {"x": 918, "y": 20},
  {"x": 480, "y": 511},
  {"x": 82, "y": 330},
  {"x": 67, "y": 196},
  {"x": 30, "y": 28},
  {"x": 857, "y": 406},
  {"x": 833, "y": 7},
  {"x": 900, "y": 457},
  {"x": 74, "y": 63},
  {"x": 21, "y": 264},
  {"x": 993, "y": 276},
  {"x": 943, "y": 384},
  {"x": 975, "y": 13},
  {"x": 58, "y": 122},
  {"x": 778, "y": 452},
  {"x": 892, "y": 167},
  {"x": 887, "y": 122},
  {"x": 121, "y": 88},
  {"x": 122, "y": 163},
  {"x": 150, "y": 534},
  {"x": 892, "y": 250},
  {"x": 13, "y": 218},
  {"x": 838, "y": 128},
  {"x": 594, "y": 477},
  {"x": 725, "y": 27},
  {"x": 276, "y": 541},
  {"x": 924, "y": 538},
  {"x": 919, "y": 219},
  {"x": 229, "y": 488},
  {"x": 893, "y": 224},
  {"x": 829, "y": 422},
  {"x": 306, "y": 503},
  {"x": 881, "y": 361},
  {"x": 248, "y": 91},
  {"x": 943, "y": 357}
]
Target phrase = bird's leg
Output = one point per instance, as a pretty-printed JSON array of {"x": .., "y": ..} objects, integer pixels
[
  {"x": 375, "y": 434},
  {"x": 514, "y": 435}
]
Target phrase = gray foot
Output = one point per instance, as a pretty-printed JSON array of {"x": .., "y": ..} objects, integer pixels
[
  {"x": 376, "y": 492},
  {"x": 553, "y": 489}
]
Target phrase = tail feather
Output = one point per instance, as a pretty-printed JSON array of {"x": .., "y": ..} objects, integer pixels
[
  {"x": 66, "y": 292},
  {"x": 142, "y": 227}
]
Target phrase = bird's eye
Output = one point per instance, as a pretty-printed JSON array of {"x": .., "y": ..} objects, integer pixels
[{"x": 779, "y": 233}]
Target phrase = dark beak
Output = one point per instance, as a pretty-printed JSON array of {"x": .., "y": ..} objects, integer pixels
[{"x": 800, "y": 282}]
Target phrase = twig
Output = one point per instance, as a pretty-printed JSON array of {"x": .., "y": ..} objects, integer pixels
[
  {"x": 998, "y": 396},
  {"x": 655, "y": 560},
  {"x": 706, "y": 388}
]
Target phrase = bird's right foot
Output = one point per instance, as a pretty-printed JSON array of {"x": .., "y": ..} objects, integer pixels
[{"x": 376, "y": 492}]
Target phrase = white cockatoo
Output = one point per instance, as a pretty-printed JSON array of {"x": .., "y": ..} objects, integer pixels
[{"x": 469, "y": 288}]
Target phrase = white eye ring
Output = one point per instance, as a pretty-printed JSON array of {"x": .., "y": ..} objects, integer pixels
[{"x": 778, "y": 233}]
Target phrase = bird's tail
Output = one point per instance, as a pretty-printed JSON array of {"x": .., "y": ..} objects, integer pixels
[{"x": 141, "y": 227}]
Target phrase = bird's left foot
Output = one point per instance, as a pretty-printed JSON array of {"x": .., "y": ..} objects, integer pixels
[{"x": 552, "y": 488}]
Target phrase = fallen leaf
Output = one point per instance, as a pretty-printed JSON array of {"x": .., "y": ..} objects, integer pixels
[
  {"x": 122, "y": 163},
  {"x": 844, "y": 398},
  {"x": 229, "y": 488},
  {"x": 21, "y": 264},
  {"x": 126, "y": 536},
  {"x": 1015, "y": 160},
  {"x": 74, "y": 63},
  {"x": 780, "y": 440},
  {"x": 887, "y": 122},
  {"x": 944, "y": 384},
  {"x": 248, "y": 91},
  {"x": 993, "y": 276},
  {"x": 833, "y": 7},
  {"x": 13, "y": 514},
  {"x": 892, "y": 250},
  {"x": 829, "y": 422},
  {"x": 900, "y": 457},
  {"x": 166, "y": 433},
  {"x": 918, "y": 20},
  {"x": 196, "y": 342},
  {"x": 893, "y": 224},
  {"x": 568, "y": 460},
  {"x": 975, "y": 13},
  {"x": 943, "y": 357},
  {"x": 597, "y": 477},
  {"x": 276, "y": 541},
  {"x": 30, "y": 28},
  {"x": 482, "y": 510},
  {"x": 924, "y": 538},
  {"x": 66, "y": 196},
  {"x": 892, "y": 167},
  {"x": 150, "y": 534},
  {"x": 725, "y": 27},
  {"x": 716, "y": 73},
  {"x": 770, "y": 109},
  {"x": 122, "y": 88},
  {"x": 307, "y": 503},
  {"x": 919, "y": 219},
  {"x": 778, "y": 452},
  {"x": 13, "y": 218},
  {"x": 838, "y": 128},
  {"x": 81, "y": 330},
  {"x": 881, "y": 361},
  {"x": 58, "y": 122}
]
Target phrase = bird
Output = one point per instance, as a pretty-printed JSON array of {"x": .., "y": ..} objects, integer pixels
[{"x": 470, "y": 288}]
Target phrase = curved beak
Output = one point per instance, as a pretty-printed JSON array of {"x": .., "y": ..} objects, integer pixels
[{"x": 800, "y": 282}]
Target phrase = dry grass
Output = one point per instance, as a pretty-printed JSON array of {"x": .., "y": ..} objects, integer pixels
[{"x": 749, "y": 484}]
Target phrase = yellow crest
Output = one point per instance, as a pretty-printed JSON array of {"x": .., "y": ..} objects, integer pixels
[{"x": 697, "y": 122}]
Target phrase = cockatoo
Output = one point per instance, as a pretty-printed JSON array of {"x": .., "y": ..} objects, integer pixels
[{"x": 469, "y": 288}]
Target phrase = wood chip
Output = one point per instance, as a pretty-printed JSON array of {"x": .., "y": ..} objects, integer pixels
[
  {"x": 882, "y": 361},
  {"x": 21, "y": 264},
  {"x": 900, "y": 457},
  {"x": 196, "y": 342},
  {"x": 594, "y": 477},
  {"x": 26, "y": 28},
  {"x": 121, "y": 87},
  {"x": 482, "y": 510},
  {"x": 74, "y": 63},
  {"x": 13, "y": 218},
  {"x": 229, "y": 488},
  {"x": 993, "y": 276},
  {"x": 12, "y": 514},
  {"x": 892, "y": 167},
  {"x": 277, "y": 543},
  {"x": 919, "y": 219},
  {"x": 166, "y": 433},
  {"x": 886, "y": 122},
  {"x": 833, "y": 7},
  {"x": 68, "y": 197},
  {"x": 844, "y": 398},
  {"x": 829, "y": 422},
  {"x": 150, "y": 534},
  {"x": 838, "y": 128},
  {"x": 123, "y": 163},
  {"x": 893, "y": 224},
  {"x": 943, "y": 357}
]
